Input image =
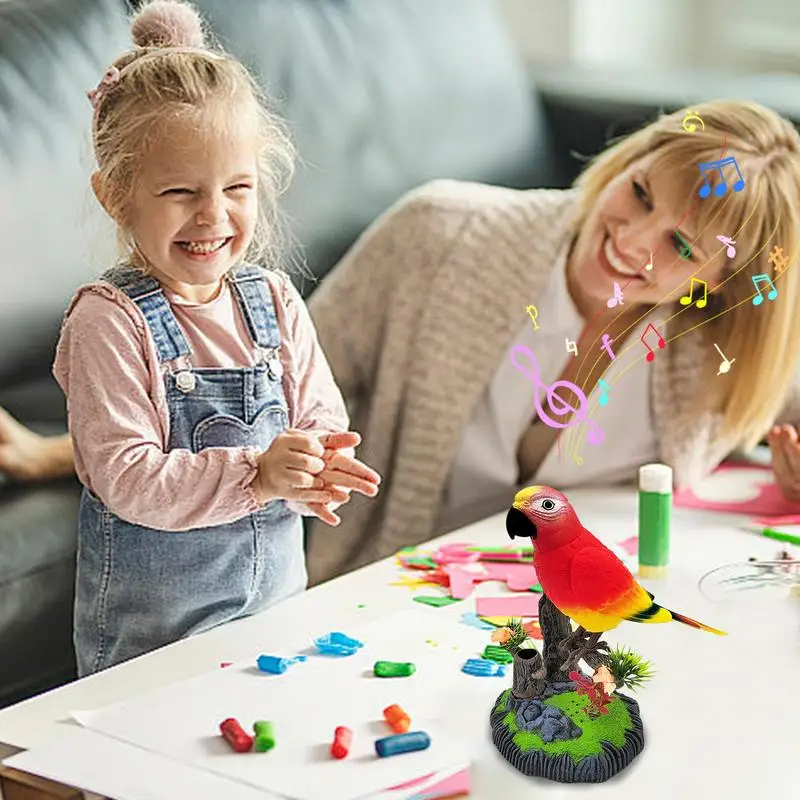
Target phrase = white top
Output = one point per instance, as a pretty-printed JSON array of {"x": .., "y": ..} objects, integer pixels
[
  {"x": 484, "y": 476},
  {"x": 655, "y": 478}
]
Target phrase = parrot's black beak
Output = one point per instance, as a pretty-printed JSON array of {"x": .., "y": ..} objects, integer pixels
[{"x": 518, "y": 524}]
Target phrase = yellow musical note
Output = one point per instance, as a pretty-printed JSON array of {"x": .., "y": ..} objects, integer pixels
[
  {"x": 534, "y": 315},
  {"x": 687, "y": 300},
  {"x": 690, "y": 127}
]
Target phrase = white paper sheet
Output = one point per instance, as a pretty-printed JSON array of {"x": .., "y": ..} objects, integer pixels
[
  {"x": 305, "y": 704},
  {"x": 93, "y": 762}
]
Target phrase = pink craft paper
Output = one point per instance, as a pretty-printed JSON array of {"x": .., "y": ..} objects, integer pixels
[
  {"x": 463, "y": 578},
  {"x": 776, "y": 522},
  {"x": 454, "y": 785},
  {"x": 526, "y": 605},
  {"x": 759, "y": 497},
  {"x": 518, "y": 577},
  {"x": 630, "y": 545}
]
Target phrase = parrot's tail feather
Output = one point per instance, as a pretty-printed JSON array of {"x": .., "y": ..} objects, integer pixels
[
  {"x": 653, "y": 614},
  {"x": 693, "y": 623}
]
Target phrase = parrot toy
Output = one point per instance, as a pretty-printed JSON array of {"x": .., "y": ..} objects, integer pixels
[{"x": 578, "y": 573}]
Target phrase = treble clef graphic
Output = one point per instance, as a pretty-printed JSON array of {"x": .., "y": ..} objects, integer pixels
[{"x": 557, "y": 406}]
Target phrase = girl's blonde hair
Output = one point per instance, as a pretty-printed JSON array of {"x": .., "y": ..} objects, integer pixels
[
  {"x": 764, "y": 339},
  {"x": 172, "y": 74}
]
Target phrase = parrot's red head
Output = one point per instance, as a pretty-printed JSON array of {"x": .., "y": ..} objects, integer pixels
[{"x": 543, "y": 514}]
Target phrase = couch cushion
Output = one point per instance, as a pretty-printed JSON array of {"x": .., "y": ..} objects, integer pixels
[
  {"x": 51, "y": 52},
  {"x": 383, "y": 95}
]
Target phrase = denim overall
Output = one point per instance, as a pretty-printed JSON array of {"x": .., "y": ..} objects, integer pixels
[{"x": 138, "y": 588}]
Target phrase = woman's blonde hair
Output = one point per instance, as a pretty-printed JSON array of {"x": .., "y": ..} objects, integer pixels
[
  {"x": 764, "y": 339},
  {"x": 172, "y": 74}
]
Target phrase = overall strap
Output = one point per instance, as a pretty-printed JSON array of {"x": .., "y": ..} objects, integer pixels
[
  {"x": 256, "y": 302},
  {"x": 146, "y": 292}
]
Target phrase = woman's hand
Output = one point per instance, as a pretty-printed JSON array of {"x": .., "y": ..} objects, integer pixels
[
  {"x": 28, "y": 456},
  {"x": 785, "y": 447}
]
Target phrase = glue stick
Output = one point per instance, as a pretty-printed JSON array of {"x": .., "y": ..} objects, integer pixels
[{"x": 655, "y": 505}]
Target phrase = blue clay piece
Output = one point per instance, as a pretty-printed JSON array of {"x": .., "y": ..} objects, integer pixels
[
  {"x": 337, "y": 644},
  {"x": 473, "y": 620},
  {"x": 402, "y": 743},
  {"x": 277, "y": 665},
  {"x": 483, "y": 667}
]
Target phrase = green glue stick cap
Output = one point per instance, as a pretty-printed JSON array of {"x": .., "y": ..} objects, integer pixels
[{"x": 655, "y": 508}]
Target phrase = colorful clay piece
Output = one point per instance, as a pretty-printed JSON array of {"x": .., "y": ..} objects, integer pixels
[
  {"x": 402, "y": 743},
  {"x": 277, "y": 665},
  {"x": 396, "y": 718},
  {"x": 342, "y": 739},
  {"x": 235, "y": 735},
  {"x": 484, "y": 668},
  {"x": 435, "y": 600},
  {"x": 265, "y": 735},
  {"x": 394, "y": 669},
  {"x": 337, "y": 644},
  {"x": 493, "y": 652}
]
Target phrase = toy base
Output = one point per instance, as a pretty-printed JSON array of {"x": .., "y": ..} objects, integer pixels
[{"x": 562, "y": 768}]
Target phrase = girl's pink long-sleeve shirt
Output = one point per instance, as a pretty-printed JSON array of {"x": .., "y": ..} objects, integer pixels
[{"x": 107, "y": 365}]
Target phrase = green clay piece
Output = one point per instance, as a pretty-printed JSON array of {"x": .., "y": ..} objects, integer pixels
[
  {"x": 265, "y": 736},
  {"x": 394, "y": 669},
  {"x": 537, "y": 587},
  {"x": 435, "y": 600},
  {"x": 422, "y": 561},
  {"x": 493, "y": 652}
]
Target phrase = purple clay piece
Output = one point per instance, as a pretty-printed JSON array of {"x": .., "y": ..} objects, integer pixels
[
  {"x": 337, "y": 644},
  {"x": 483, "y": 668}
]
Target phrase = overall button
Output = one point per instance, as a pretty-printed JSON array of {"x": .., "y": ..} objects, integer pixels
[
  {"x": 185, "y": 381},
  {"x": 275, "y": 369}
]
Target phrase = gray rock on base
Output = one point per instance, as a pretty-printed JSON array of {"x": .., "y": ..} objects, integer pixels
[{"x": 551, "y": 723}]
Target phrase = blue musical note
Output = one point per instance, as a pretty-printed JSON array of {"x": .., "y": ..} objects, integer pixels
[
  {"x": 556, "y": 405},
  {"x": 721, "y": 188}
]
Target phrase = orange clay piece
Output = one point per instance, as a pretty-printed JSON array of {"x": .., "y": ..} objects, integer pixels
[{"x": 398, "y": 720}]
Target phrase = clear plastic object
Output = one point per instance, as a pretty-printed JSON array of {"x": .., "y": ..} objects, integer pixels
[{"x": 766, "y": 579}]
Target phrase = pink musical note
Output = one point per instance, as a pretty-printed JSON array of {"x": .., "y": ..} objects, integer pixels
[
  {"x": 661, "y": 343},
  {"x": 722, "y": 187},
  {"x": 557, "y": 406}
]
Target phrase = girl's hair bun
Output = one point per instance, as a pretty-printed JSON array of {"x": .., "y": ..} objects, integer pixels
[{"x": 167, "y": 23}]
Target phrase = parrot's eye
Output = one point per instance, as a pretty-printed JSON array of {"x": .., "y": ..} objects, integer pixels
[{"x": 548, "y": 505}]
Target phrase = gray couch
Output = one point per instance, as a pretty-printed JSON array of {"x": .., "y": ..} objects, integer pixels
[{"x": 381, "y": 95}]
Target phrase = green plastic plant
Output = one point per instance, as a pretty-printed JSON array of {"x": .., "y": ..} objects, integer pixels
[
  {"x": 517, "y": 636},
  {"x": 629, "y": 668}
]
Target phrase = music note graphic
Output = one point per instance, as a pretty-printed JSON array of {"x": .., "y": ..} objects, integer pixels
[
  {"x": 773, "y": 293},
  {"x": 604, "y": 390},
  {"x": 617, "y": 298},
  {"x": 649, "y": 265},
  {"x": 661, "y": 343},
  {"x": 533, "y": 313},
  {"x": 686, "y": 249},
  {"x": 722, "y": 187},
  {"x": 725, "y": 366},
  {"x": 557, "y": 406},
  {"x": 687, "y": 300},
  {"x": 731, "y": 251}
]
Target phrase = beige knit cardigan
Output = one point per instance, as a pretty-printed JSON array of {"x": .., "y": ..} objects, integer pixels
[{"x": 414, "y": 322}]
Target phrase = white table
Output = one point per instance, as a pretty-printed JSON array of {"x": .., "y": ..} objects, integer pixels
[{"x": 722, "y": 716}]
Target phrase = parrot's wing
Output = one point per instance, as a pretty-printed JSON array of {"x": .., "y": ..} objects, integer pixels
[{"x": 604, "y": 583}]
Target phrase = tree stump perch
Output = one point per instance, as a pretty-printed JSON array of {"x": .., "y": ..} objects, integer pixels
[{"x": 529, "y": 674}]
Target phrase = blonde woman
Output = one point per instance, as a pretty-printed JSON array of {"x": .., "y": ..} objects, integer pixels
[{"x": 461, "y": 322}]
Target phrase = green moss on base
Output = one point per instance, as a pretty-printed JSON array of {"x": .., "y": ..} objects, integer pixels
[{"x": 610, "y": 727}]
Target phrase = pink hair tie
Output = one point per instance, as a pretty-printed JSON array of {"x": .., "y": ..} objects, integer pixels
[{"x": 107, "y": 82}]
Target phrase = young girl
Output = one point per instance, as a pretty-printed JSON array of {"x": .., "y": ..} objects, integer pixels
[{"x": 204, "y": 416}]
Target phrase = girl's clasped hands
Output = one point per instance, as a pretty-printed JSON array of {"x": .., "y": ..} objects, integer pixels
[{"x": 310, "y": 468}]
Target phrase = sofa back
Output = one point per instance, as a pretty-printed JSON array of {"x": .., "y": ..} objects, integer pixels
[{"x": 380, "y": 95}]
